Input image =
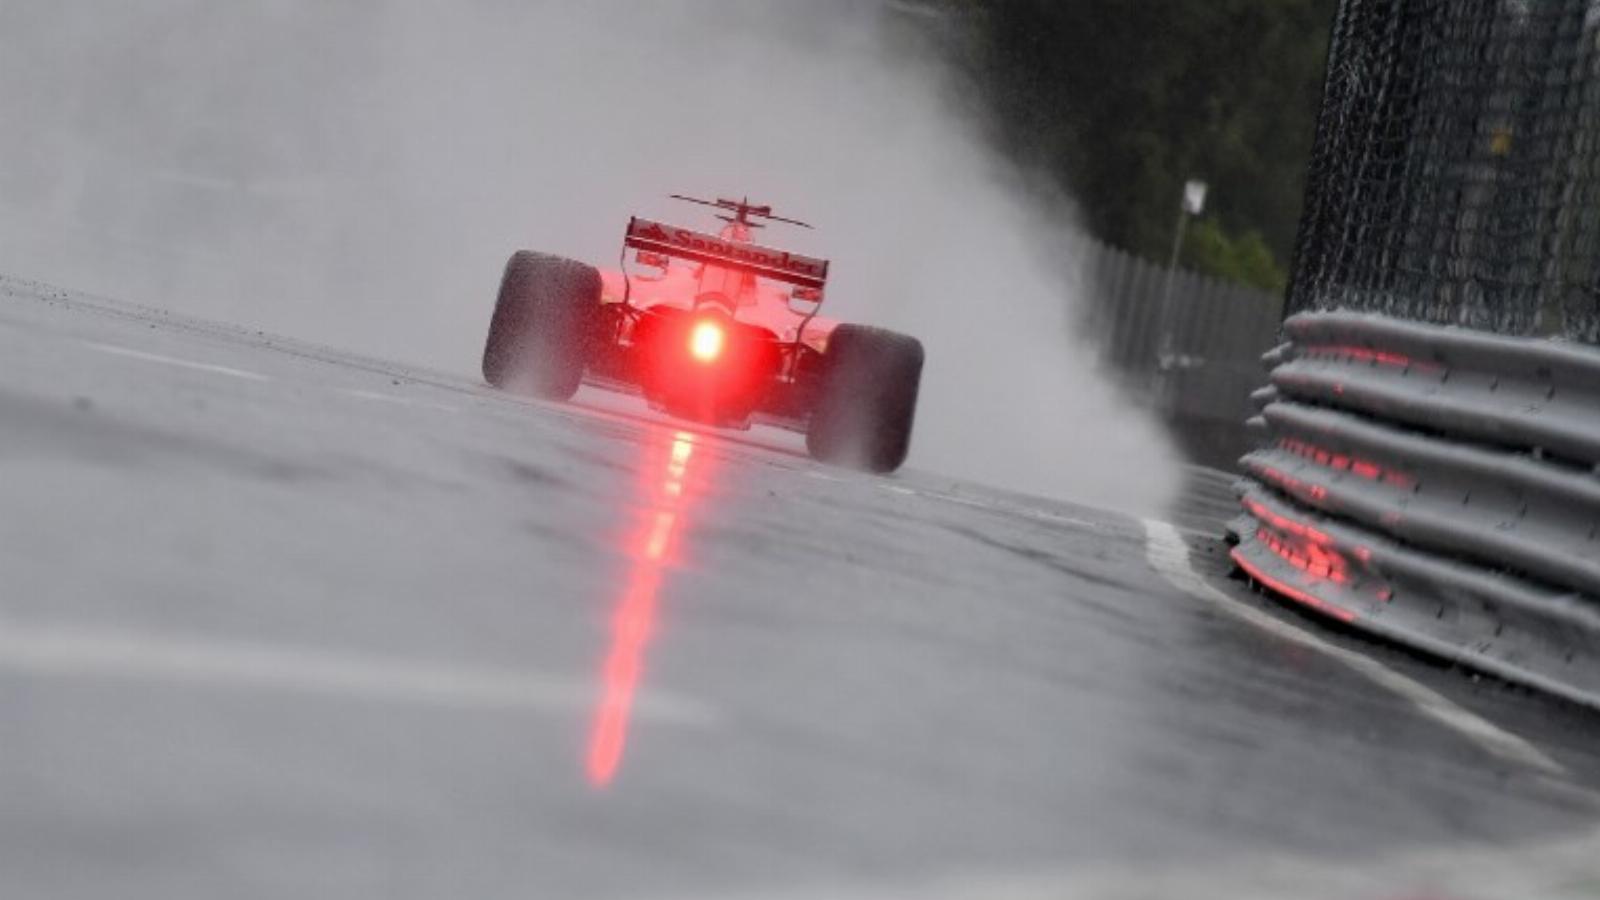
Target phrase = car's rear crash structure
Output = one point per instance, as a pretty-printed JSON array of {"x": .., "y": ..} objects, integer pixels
[{"x": 717, "y": 329}]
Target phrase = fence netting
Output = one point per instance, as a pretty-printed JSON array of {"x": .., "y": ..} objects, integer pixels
[{"x": 1456, "y": 172}]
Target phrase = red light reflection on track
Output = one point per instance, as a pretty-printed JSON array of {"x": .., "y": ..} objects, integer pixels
[{"x": 666, "y": 490}]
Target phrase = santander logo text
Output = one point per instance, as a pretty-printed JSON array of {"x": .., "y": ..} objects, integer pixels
[{"x": 748, "y": 254}]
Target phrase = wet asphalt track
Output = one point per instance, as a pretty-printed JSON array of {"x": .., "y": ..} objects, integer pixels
[{"x": 275, "y": 622}]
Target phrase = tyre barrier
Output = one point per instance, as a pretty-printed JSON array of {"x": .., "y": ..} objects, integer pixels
[{"x": 1435, "y": 486}]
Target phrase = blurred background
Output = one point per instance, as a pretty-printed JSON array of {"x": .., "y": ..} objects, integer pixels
[
  {"x": 276, "y": 621},
  {"x": 1002, "y": 179}
]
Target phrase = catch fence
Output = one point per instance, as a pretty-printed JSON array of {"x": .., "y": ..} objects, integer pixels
[
  {"x": 1456, "y": 172},
  {"x": 1431, "y": 430}
]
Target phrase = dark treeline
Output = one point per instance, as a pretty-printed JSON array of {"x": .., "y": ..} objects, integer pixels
[{"x": 1122, "y": 100}]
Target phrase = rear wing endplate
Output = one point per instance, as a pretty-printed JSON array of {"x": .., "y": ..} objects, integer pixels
[{"x": 766, "y": 262}]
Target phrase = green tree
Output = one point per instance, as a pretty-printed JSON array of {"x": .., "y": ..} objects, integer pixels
[
  {"x": 1122, "y": 100},
  {"x": 1244, "y": 258}
]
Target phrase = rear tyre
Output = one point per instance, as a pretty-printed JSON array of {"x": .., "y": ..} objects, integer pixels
[
  {"x": 867, "y": 399},
  {"x": 544, "y": 325}
]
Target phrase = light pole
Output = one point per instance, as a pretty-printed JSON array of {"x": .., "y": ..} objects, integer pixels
[{"x": 1194, "y": 201}]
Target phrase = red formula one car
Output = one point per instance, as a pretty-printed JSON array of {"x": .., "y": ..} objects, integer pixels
[{"x": 717, "y": 329}]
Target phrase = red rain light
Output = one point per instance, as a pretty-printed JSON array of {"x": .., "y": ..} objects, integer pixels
[{"x": 706, "y": 340}]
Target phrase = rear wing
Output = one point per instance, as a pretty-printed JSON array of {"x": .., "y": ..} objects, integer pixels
[{"x": 766, "y": 262}]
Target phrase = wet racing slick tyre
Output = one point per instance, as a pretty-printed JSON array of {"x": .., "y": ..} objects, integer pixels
[
  {"x": 866, "y": 399},
  {"x": 544, "y": 325}
]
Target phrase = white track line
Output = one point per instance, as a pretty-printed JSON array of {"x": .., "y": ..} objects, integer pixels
[
  {"x": 1168, "y": 554},
  {"x": 174, "y": 361},
  {"x": 212, "y": 663}
]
